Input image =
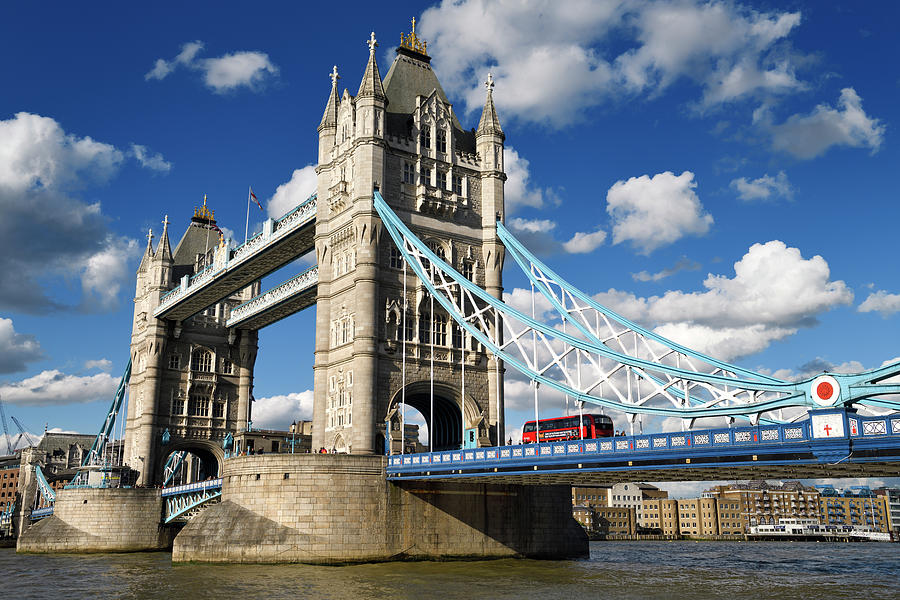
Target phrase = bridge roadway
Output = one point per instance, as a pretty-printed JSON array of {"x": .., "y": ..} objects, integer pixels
[
  {"x": 792, "y": 451},
  {"x": 281, "y": 241}
]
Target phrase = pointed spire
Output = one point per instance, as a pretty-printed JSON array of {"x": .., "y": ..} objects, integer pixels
[
  {"x": 329, "y": 119},
  {"x": 371, "y": 82},
  {"x": 490, "y": 122},
  {"x": 164, "y": 250},
  {"x": 148, "y": 253}
]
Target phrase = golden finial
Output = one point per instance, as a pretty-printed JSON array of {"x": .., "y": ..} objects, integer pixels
[
  {"x": 203, "y": 212},
  {"x": 412, "y": 42}
]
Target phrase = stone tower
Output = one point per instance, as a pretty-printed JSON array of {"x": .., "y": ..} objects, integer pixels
[
  {"x": 191, "y": 381},
  {"x": 402, "y": 137}
]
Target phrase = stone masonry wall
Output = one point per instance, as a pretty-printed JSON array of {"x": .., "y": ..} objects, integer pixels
[
  {"x": 100, "y": 520},
  {"x": 323, "y": 508}
]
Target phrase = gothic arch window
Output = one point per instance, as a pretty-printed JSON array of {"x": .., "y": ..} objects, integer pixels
[
  {"x": 425, "y": 136},
  {"x": 202, "y": 361},
  {"x": 442, "y": 140},
  {"x": 438, "y": 249}
]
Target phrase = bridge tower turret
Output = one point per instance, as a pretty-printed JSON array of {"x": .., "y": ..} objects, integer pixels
[
  {"x": 190, "y": 383},
  {"x": 402, "y": 137}
]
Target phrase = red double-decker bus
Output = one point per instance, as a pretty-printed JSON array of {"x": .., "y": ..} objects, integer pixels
[{"x": 566, "y": 428}]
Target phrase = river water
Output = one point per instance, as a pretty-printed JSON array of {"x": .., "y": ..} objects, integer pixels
[{"x": 615, "y": 570}]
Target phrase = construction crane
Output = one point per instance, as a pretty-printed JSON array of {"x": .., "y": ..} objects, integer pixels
[
  {"x": 22, "y": 433},
  {"x": 5, "y": 428}
]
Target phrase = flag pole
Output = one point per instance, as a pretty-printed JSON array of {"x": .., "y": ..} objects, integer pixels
[{"x": 247, "y": 223}]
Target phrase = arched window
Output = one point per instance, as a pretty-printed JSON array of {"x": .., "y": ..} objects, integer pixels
[
  {"x": 425, "y": 138},
  {"x": 202, "y": 361}
]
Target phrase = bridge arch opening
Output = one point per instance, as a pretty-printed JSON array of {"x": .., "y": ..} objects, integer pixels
[
  {"x": 190, "y": 464},
  {"x": 445, "y": 427}
]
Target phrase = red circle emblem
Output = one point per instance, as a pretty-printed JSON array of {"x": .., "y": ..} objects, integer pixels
[{"x": 824, "y": 390}]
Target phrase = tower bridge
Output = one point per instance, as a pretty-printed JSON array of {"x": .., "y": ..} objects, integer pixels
[{"x": 406, "y": 230}]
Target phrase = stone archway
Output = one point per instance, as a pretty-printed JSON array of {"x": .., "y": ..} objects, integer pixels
[
  {"x": 445, "y": 427},
  {"x": 202, "y": 461}
]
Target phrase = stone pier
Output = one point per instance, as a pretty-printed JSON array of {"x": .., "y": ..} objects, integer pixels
[
  {"x": 331, "y": 508},
  {"x": 100, "y": 520}
]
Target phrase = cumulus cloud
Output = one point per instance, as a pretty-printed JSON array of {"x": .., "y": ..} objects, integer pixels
[
  {"x": 683, "y": 264},
  {"x": 230, "y": 71},
  {"x": 54, "y": 388},
  {"x": 16, "y": 349},
  {"x": 882, "y": 302},
  {"x": 583, "y": 243},
  {"x": 150, "y": 160},
  {"x": 587, "y": 52},
  {"x": 773, "y": 293},
  {"x": 536, "y": 234},
  {"x": 102, "y": 364},
  {"x": 808, "y": 136},
  {"x": 45, "y": 230},
  {"x": 655, "y": 211},
  {"x": 519, "y": 191},
  {"x": 764, "y": 188},
  {"x": 278, "y": 412},
  {"x": 288, "y": 195}
]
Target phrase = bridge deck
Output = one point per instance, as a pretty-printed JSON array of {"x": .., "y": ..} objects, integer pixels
[
  {"x": 279, "y": 243},
  {"x": 775, "y": 451},
  {"x": 290, "y": 297}
]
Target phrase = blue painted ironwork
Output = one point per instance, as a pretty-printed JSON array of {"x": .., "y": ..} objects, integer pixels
[
  {"x": 643, "y": 373},
  {"x": 41, "y": 513},
  {"x": 96, "y": 456},
  {"x": 295, "y": 285},
  {"x": 43, "y": 486},
  {"x": 758, "y": 445},
  {"x": 173, "y": 466},
  {"x": 6, "y": 515},
  {"x": 182, "y": 500},
  {"x": 273, "y": 230}
]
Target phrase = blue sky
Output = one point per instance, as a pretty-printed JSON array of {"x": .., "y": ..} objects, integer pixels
[{"x": 653, "y": 148}]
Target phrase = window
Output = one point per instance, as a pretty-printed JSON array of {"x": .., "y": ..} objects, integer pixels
[
  {"x": 425, "y": 136},
  {"x": 174, "y": 361},
  {"x": 219, "y": 409},
  {"x": 227, "y": 366},
  {"x": 440, "y": 330},
  {"x": 425, "y": 177},
  {"x": 442, "y": 180},
  {"x": 396, "y": 258},
  {"x": 198, "y": 406},
  {"x": 409, "y": 326},
  {"x": 409, "y": 173},
  {"x": 458, "y": 185},
  {"x": 177, "y": 405},
  {"x": 202, "y": 361},
  {"x": 442, "y": 140},
  {"x": 456, "y": 334}
]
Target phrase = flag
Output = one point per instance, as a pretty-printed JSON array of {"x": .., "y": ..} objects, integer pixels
[{"x": 253, "y": 197}]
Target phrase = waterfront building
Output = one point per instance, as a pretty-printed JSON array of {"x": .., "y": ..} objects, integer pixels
[
  {"x": 759, "y": 502},
  {"x": 9, "y": 481},
  {"x": 661, "y": 514},
  {"x": 892, "y": 496},
  {"x": 698, "y": 517},
  {"x": 857, "y": 505},
  {"x": 612, "y": 510}
]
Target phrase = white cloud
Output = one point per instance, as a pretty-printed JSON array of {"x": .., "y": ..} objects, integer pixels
[
  {"x": 44, "y": 231},
  {"x": 35, "y": 152},
  {"x": 16, "y": 349},
  {"x": 808, "y": 136},
  {"x": 54, "y": 388},
  {"x": 582, "y": 243},
  {"x": 288, "y": 195},
  {"x": 149, "y": 160},
  {"x": 105, "y": 272},
  {"x": 882, "y": 302},
  {"x": 728, "y": 51},
  {"x": 683, "y": 264},
  {"x": 655, "y": 211},
  {"x": 278, "y": 412},
  {"x": 774, "y": 292},
  {"x": 103, "y": 364},
  {"x": 519, "y": 191},
  {"x": 764, "y": 188},
  {"x": 222, "y": 74},
  {"x": 535, "y": 234}
]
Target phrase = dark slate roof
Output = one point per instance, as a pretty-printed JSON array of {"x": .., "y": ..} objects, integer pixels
[
  {"x": 408, "y": 77},
  {"x": 52, "y": 442},
  {"x": 198, "y": 239}
]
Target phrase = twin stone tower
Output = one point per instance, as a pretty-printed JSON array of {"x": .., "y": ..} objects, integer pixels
[{"x": 192, "y": 380}]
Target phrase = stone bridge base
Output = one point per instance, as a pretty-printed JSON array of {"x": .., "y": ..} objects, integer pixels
[
  {"x": 331, "y": 508},
  {"x": 100, "y": 520}
]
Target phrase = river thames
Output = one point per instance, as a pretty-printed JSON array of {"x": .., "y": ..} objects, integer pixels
[{"x": 619, "y": 570}]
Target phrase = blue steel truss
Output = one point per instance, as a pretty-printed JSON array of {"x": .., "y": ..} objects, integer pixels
[
  {"x": 181, "y": 500},
  {"x": 43, "y": 485},
  {"x": 601, "y": 358},
  {"x": 173, "y": 466}
]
